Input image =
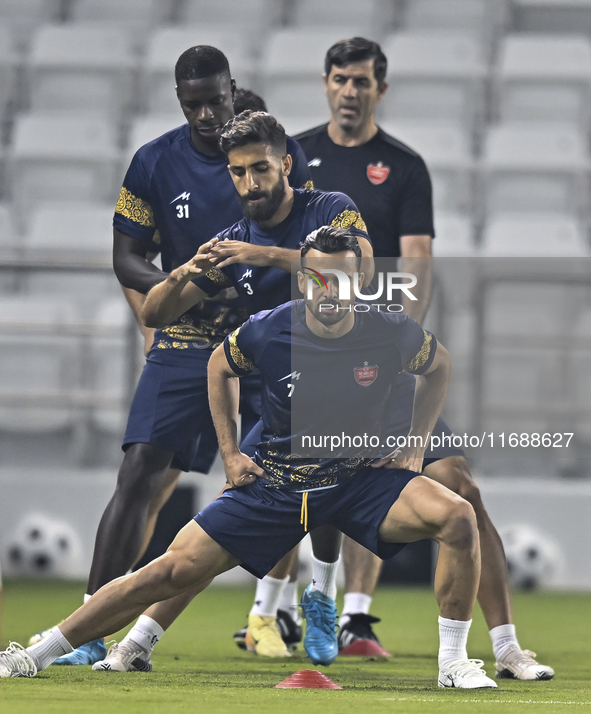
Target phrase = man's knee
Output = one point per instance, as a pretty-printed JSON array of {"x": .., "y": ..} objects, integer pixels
[
  {"x": 454, "y": 473},
  {"x": 143, "y": 471},
  {"x": 460, "y": 529}
]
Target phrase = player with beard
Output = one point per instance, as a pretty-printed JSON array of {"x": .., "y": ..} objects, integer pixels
[
  {"x": 275, "y": 497},
  {"x": 177, "y": 194},
  {"x": 254, "y": 256}
]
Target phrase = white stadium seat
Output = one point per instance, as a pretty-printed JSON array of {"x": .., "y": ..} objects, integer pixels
[
  {"x": 446, "y": 149},
  {"x": 535, "y": 167},
  {"x": 62, "y": 158},
  {"x": 130, "y": 12},
  {"x": 8, "y": 65},
  {"x": 483, "y": 18},
  {"x": 368, "y": 17},
  {"x": 293, "y": 65},
  {"x": 544, "y": 78},
  {"x": 166, "y": 46},
  {"x": 111, "y": 363},
  {"x": 252, "y": 14},
  {"x": 149, "y": 127},
  {"x": 23, "y": 16},
  {"x": 435, "y": 74},
  {"x": 552, "y": 15},
  {"x": 538, "y": 234},
  {"x": 38, "y": 367},
  {"x": 454, "y": 236},
  {"x": 67, "y": 231},
  {"x": 82, "y": 68}
]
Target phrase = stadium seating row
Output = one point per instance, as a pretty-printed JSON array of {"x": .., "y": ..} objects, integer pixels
[
  {"x": 524, "y": 166},
  {"x": 91, "y": 68}
]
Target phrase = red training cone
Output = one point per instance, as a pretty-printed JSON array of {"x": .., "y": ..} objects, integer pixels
[
  {"x": 307, "y": 679},
  {"x": 364, "y": 648}
]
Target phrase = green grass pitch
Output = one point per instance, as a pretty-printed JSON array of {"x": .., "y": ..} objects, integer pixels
[{"x": 198, "y": 669}]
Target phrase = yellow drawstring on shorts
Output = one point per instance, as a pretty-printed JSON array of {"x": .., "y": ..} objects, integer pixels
[{"x": 304, "y": 512}]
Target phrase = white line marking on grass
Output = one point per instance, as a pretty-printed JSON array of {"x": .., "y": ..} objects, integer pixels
[{"x": 484, "y": 701}]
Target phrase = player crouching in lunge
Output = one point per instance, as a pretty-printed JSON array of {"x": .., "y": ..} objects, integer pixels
[{"x": 277, "y": 496}]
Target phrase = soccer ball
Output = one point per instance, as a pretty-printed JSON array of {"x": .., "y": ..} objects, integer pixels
[
  {"x": 532, "y": 558},
  {"x": 42, "y": 547}
]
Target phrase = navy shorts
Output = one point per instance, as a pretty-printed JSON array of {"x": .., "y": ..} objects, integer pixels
[
  {"x": 259, "y": 524},
  {"x": 170, "y": 408}
]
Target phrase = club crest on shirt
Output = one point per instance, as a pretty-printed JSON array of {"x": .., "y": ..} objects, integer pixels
[
  {"x": 377, "y": 173},
  {"x": 366, "y": 375}
]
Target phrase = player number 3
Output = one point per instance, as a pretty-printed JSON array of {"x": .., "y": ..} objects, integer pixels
[{"x": 248, "y": 289}]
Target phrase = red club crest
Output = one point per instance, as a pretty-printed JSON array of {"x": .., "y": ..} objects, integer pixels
[
  {"x": 377, "y": 173},
  {"x": 366, "y": 375}
]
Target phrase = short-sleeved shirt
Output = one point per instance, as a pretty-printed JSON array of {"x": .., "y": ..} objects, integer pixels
[
  {"x": 262, "y": 288},
  {"x": 175, "y": 198},
  {"x": 327, "y": 374},
  {"x": 388, "y": 181}
]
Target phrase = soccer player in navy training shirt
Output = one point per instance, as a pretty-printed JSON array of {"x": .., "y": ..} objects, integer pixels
[
  {"x": 253, "y": 256},
  {"x": 275, "y": 497},
  {"x": 390, "y": 184},
  {"x": 176, "y": 195}
]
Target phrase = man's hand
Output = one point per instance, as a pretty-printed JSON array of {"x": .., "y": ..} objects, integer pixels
[
  {"x": 241, "y": 470},
  {"x": 227, "y": 252},
  {"x": 199, "y": 262},
  {"x": 410, "y": 459}
]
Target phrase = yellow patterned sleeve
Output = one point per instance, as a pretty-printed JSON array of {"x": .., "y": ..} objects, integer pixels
[
  {"x": 422, "y": 356},
  {"x": 218, "y": 277},
  {"x": 134, "y": 208},
  {"x": 349, "y": 219},
  {"x": 238, "y": 359},
  {"x": 309, "y": 185}
]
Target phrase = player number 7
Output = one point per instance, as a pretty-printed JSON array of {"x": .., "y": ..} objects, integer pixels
[{"x": 290, "y": 388}]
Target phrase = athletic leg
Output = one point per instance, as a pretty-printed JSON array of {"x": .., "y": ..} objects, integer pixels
[
  {"x": 427, "y": 510},
  {"x": 160, "y": 499},
  {"x": 494, "y": 595},
  {"x": 121, "y": 530},
  {"x": 193, "y": 559}
]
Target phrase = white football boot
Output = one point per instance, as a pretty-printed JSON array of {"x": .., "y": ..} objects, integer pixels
[
  {"x": 127, "y": 656},
  {"x": 521, "y": 664},
  {"x": 465, "y": 674},
  {"x": 15, "y": 661}
]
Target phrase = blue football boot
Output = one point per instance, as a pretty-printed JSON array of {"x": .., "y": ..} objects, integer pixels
[
  {"x": 320, "y": 642},
  {"x": 89, "y": 653}
]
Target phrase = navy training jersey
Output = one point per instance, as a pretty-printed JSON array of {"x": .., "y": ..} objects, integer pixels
[
  {"x": 388, "y": 181},
  {"x": 262, "y": 288},
  {"x": 175, "y": 198},
  {"x": 336, "y": 377}
]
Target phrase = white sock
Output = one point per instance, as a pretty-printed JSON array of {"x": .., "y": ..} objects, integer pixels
[
  {"x": 146, "y": 632},
  {"x": 87, "y": 598},
  {"x": 453, "y": 638},
  {"x": 49, "y": 649},
  {"x": 503, "y": 638},
  {"x": 355, "y": 603},
  {"x": 324, "y": 577},
  {"x": 288, "y": 600},
  {"x": 267, "y": 596}
]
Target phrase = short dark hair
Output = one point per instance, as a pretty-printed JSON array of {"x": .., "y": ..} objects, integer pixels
[
  {"x": 199, "y": 62},
  {"x": 251, "y": 128},
  {"x": 246, "y": 99},
  {"x": 357, "y": 49},
  {"x": 328, "y": 239}
]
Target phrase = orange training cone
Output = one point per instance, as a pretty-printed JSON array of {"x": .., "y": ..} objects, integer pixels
[
  {"x": 308, "y": 679},
  {"x": 364, "y": 648}
]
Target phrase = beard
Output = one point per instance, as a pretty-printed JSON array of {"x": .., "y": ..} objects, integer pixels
[
  {"x": 265, "y": 210},
  {"x": 328, "y": 318}
]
